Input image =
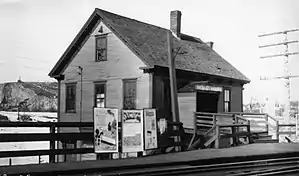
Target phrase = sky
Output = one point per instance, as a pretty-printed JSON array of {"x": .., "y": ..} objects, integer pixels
[{"x": 35, "y": 33}]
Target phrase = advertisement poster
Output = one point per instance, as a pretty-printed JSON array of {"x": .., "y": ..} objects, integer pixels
[
  {"x": 132, "y": 130},
  {"x": 105, "y": 130},
  {"x": 150, "y": 131}
]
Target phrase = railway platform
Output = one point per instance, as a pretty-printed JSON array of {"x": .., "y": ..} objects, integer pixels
[{"x": 244, "y": 153}]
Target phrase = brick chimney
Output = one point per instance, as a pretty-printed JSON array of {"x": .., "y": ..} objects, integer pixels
[
  {"x": 175, "y": 22},
  {"x": 210, "y": 44}
]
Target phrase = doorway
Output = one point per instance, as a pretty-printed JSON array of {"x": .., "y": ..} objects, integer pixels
[{"x": 207, "y": 102}]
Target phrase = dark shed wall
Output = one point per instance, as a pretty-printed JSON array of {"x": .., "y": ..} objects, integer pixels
[{"x": 236, "y": 98}]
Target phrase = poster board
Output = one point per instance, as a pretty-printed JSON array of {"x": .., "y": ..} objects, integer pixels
[
  {"x": 105, "y": 130},
  {"x": 150, "y": 129},
  {"x": 132, "y": 130}
]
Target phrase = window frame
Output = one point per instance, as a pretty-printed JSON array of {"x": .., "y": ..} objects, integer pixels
[
  {"x": 124, "y": 97},
  {"x": 67, "y": 85},
  {"x": 97, "y": 37},
  {"x": 105, "y": 93},
  {"x": 225, "y": 101}
]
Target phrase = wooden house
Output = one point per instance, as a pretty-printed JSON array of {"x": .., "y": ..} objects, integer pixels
[{"x": 123, "y": 64}]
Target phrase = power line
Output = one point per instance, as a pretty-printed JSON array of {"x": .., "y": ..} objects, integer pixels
[
  {"x": 286, "y": 55},
  {"x": 276, "y": 33}
]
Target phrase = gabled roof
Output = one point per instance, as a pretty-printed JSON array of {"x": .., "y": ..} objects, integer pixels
[{"x": 149, "y": 42}]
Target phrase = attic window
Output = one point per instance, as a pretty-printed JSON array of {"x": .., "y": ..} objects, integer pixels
[{"x": 101, "y": 48}]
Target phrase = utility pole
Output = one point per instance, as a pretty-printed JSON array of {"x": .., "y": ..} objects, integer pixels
[
  {"x": 286, "y": 75},
  {"x": 172, "y": 76},
  {"x": 173, "y": 86},
  {"x": 80, "y": 72}
]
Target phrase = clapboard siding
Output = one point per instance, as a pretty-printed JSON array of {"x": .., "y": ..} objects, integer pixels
[{"x": 121, "y": 64}]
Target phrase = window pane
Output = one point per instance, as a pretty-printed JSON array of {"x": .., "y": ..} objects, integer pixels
[
  {"x": 226, "y": 107},
  {"x": 70, "y": 97},
  {"x": 100, "y": 95},
  {"x": 101, "y": 42},
  {"x": 129, "y": 94},
  {"x": 101, "y": 47},
  {"x": 100, "y": 88},
  {"x": 226, "y": 95}
]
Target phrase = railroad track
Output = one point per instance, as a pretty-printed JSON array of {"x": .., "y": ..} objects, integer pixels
[{"x": 280, "y": 166}]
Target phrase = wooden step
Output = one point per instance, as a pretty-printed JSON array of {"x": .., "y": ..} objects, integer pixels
[
  {"x": 260, "y": 132},
  {"x": 266, "y": 141},
  {"x": 265, "y": 137}
]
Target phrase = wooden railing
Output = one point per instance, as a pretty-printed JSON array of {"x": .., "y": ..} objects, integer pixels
[
  {"x": 52, "y": 137},
  {"x": 235, "y": 134},
  {"x": 175, "y": 138},
  {"x": 267, "y": 123},
  {"x": 228, "y": 125}
]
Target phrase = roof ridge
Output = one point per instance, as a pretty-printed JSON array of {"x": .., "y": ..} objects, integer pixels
[
  {"x": 187, "y": 35},
  {"x": 101, "y": 10}
]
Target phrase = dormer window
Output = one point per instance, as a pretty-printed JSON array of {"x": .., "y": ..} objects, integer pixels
[{"x": 101, "y": 48}]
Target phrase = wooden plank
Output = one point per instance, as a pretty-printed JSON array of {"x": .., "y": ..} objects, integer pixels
[
  {"x": 204, "y": 117},
  {"x": 239, "y": 134},
  {"x": 205, "y": 122},
  {"x": 287, "y": 125},
  {"x": 46, "y": 124},
  {"x": 233, "y": 125},
  {"x": 211, "y": 114},
  {"x": 209, "y": 131},
  {"x": 25, "y": 137},
  {"x": 254, "y": 117},
  {"x": 246, "y": 113},
  {"x": 217, "y": 140},
  {"x": 21, "y": 153},
  {"x": 287, "y": 132},
  {"x": 212, "y": 139},
  {"x": 203, "y": 125}
]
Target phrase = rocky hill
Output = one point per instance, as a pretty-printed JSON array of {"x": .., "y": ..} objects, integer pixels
[{"x": 40, "y": 96}]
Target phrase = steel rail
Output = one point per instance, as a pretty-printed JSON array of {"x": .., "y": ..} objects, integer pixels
[{"x": 291, "y": 163}]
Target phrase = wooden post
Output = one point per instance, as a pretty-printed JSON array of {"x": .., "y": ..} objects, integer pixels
[
  {"x": 267, "y": 121},
  {"x": 277, "y": 130},
  {"x": 52, "y": 144},
  {"x": 195, "y": 124},
  {"x": 173, "y": 85},
  {"x": 217, "y": 141},
  {"x": 214, "y": 123},
  {"x": 234, "y": 138},
  {"x": 248, "y": 130},
  {"x": 296, "y": 118}
]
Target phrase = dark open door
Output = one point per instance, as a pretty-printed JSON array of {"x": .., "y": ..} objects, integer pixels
[{"x": 207, "y": 102}]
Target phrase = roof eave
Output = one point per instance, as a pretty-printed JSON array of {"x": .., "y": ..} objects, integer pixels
[{"x": 55, "y": 72}]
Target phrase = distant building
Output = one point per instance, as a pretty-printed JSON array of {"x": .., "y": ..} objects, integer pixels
[{"x": 125, "y": 66}]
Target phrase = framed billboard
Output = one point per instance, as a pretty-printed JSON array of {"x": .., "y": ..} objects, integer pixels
[
  {"x": 150, "y": 129},
  {"x": 105, "y": 130},
  {"x": 132, "y": 130}
]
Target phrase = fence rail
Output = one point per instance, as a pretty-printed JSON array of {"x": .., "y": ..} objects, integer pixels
[
  {"x": 262, "y": 121},
  {"x": 175, "y": 138},
  {"x": 52, "y": 137}
]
